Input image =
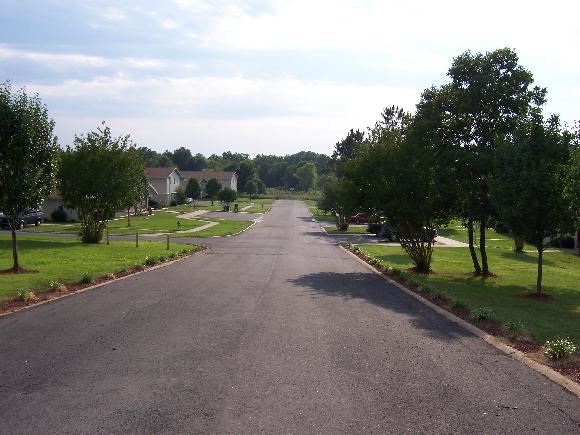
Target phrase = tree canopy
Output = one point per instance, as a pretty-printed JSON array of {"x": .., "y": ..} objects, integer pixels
[
  {"x": 28, "y": 150},
  {"x": 97, "y": 177}
]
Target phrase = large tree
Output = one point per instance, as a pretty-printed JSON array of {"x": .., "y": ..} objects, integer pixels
[
  {"x": 487, "y": 97},
  {"x": 307, "y": 176},
  {"x": 28, "y": 150},
  {"x": 97, "y": 177},
  {"x": 532, "y": 188}
]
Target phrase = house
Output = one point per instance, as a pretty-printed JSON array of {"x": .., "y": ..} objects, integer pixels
[
  {"x": 226, "y": 179},
  {"x": 55, "y": 202},
  {"x": 163, "y": 184}
]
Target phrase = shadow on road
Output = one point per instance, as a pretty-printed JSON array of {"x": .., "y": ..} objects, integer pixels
[{"x": 367, "y": 287}]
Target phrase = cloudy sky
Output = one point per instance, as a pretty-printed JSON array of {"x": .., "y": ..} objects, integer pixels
[{"x": 266, "y": 77}]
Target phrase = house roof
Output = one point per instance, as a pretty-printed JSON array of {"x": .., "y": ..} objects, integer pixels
[
  {"x": 208, "y": 175},
  {"x": 160, "y": 173}
]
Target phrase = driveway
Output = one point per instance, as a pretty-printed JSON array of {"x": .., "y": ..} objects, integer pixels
[{"x": 274, "y": 331}]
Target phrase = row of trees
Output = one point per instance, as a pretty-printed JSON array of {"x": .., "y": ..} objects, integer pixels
[{"x": 478, "y": 148}]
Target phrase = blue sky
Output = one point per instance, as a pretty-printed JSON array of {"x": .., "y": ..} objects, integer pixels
[{"x": 266, "y": 77}]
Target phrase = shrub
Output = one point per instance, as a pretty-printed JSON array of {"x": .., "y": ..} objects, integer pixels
[
  {"x": 57, "y": 286},
  {"x": 86, "y": 278},
  {"x": 151, "y": 261},
  {"x": 59, "y": 216},
  {"x": 436, "y": 295},
  {"x": 26, "y": 296},
  {"x": 458, "y": 304},
  {"x": 482, "y": 314},
  {"x": 559, "y": 348},
  {"x": 138, "y": 267},
  {"x": 513, "y": 328},
  {"x": 396, "y": 272}
]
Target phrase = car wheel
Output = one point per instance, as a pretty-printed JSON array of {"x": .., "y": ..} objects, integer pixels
[
  {"x": 37, "y": 223},
  {"x": 20, "y": 225}
]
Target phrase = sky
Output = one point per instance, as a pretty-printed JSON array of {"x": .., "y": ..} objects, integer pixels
[{"x": 266, "y": 77}]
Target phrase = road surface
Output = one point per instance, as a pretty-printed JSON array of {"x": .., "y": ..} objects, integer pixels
[{"x": 273, "y": 331}]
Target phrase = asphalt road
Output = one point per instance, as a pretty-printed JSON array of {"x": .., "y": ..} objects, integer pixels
[{"x": 276, "y": 331}]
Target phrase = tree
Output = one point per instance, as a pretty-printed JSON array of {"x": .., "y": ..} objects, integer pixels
[
  {"x": 138, "y": 184},
  {"x": 97, "y": 177},
  {"x": 307, "y": 176},
  {"x": 487, "y": 97},
  {"x": 339, "y": 198},
  {"x": 251, "y": 187},
  {"x": 180, "y": 195},
  {"x": 193, "y": 189},
  {"x": 212, "y": 188},
  {"x": 346, "y": 148},
  {"x": 246, "y": 171},
  {"x": 28, "y": 150},
  {"x": 227, "y": 195},
  {"x": 531, "y": 187}
]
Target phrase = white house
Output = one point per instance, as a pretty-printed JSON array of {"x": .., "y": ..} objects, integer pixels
[{"x": 165, "y": 182}]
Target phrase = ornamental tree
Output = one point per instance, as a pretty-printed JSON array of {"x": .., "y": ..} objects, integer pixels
[
  {"x": 28, "y": 150},
  {"x": 97, "y": 177}
]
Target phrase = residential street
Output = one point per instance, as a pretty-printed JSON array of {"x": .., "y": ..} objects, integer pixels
[{"x": 276, "y": 330}]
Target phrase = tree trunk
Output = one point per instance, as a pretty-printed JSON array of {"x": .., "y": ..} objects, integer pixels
[
  {"x": 482, "y": 248},
  {"x": 341, "y": 222},
  {"x": 540, "y": 248},
  {"x": 16, "y": 264},
  {"x": 518, "y": 244},
  {"x": 128, "y": 216},
  {"x": 474, "y": 259}
]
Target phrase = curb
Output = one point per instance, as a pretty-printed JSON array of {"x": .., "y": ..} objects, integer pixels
[
  {"x": 101, "y": 284},
  {"x": 553, "y": 375}
]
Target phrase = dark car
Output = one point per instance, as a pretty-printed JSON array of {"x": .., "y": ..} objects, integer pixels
[
  {"x": 359, "y": 218},
  {"x": 29, "y": 217}
]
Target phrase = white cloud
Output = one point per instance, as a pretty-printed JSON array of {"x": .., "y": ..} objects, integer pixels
[{"x": 113, "y": 14}]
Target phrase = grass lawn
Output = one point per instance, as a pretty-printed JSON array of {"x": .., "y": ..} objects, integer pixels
[
  {"x": 224, "y": 228},
  {"x": 321, "y": 216},
  {"x": 516, "y": 275},
  {"x": 159, "y": 222},
  {"x": 352, "y": 229},
  {"x": 67, "y": 259}
]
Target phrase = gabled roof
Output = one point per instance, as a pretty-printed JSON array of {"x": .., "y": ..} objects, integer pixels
[
  {"x": 208, "y": 175},
  {"x": 160, "y": 173}
]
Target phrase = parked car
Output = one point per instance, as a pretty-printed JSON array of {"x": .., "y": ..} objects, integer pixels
[
  {"x": 382, "y": 230},
  {"x": 359, "y": 218},
  {"x": 28, "y": 217}
]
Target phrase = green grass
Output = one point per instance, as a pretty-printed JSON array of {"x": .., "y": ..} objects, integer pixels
[
  {"x": 352, "y": 229},
  {"x": 225, "y": 228},
  {"x": 67, "y": 260},
  {"x": 516, "y": 275},
  {"x": 321, "y": 215},
  {"x": 159, "y": 222},
  {"x": 458, "y": 232}
]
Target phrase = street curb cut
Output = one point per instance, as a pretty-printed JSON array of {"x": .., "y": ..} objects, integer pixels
[
  {"x": 553, "y": 375},
  {"x": 66, "y": 295}
]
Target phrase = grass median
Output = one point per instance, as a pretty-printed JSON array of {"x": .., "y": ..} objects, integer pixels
[{"x": 67, "y": 260}]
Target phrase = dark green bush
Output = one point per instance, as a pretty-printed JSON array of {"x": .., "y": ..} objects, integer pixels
[{"x": 59, "y": 215}]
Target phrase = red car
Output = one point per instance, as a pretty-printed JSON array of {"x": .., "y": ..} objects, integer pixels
[{"x": 359, "y": 218}]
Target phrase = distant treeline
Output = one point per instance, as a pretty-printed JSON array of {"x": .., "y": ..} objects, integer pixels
[{"x": 298, "y": 171}]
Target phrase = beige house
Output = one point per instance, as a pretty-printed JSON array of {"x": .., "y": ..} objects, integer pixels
[
  {"x": 55, "y": 202},
  {"x": 226, "y": 179},
  {"x": 163, "y": 184}
]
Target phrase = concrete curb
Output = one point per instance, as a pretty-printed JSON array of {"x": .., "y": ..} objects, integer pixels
[
  {"x": 553, "y": 375},
  {"x": 66, "y": 295}
]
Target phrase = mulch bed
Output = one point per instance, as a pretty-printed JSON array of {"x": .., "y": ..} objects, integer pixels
[{"x": 569, "y": 367}]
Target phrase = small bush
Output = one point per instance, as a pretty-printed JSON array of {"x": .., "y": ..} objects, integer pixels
[
  {"x": 138, "y": 267},
  {"x": 559, "y": 348},
  {"x": 458, "y": 304},
  {"x": 110, "y": 276},
  {"x": 57, "y": 286},
  {"x": 151, "y": 261},
  {"x": 173, "y": 256},
  {"x": 86, "y": 278},
  {"x": 482, "y": 314},
  {"x": 59, "y": 216},
  {"x": 27, "y": 296},
  {"x": 436, "y": 295},
  {"x": 396, "y": 272},
  {"x": 514, "y": 328}
]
